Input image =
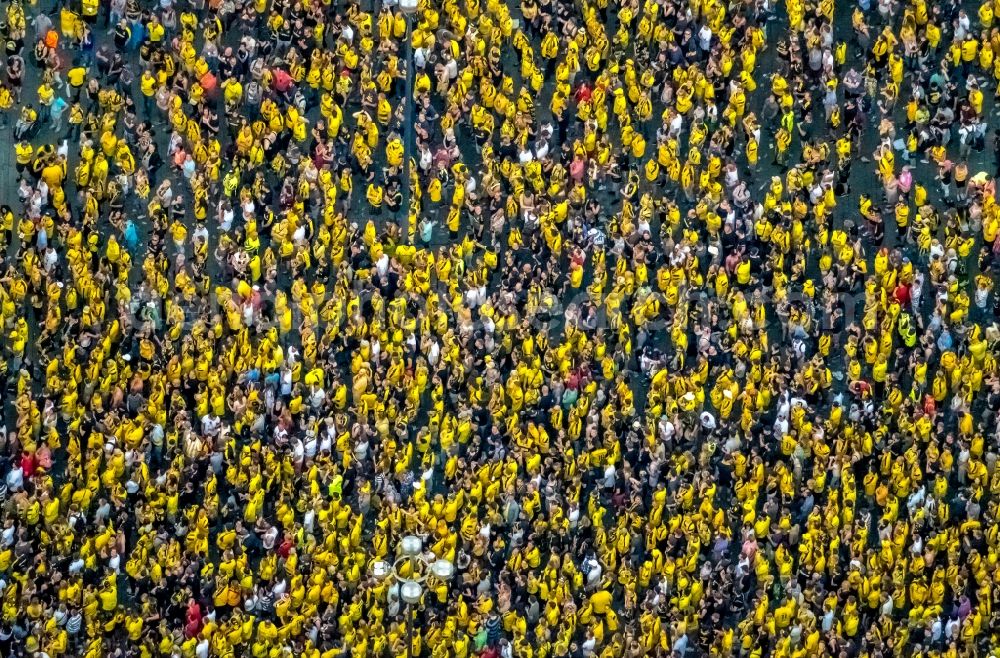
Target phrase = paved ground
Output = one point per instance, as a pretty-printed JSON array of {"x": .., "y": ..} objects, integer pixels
[{"x": 861, "y": 180}]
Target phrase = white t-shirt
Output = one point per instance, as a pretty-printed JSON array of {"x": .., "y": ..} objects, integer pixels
[{"x": 15, "y": 479}]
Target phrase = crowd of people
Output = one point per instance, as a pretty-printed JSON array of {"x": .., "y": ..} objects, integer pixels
[{"x": 686, "y": 344}]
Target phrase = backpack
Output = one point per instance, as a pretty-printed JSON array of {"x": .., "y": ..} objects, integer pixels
[
  {"x": 126, "y": 78},
  {"x": 253, "y": 93}
]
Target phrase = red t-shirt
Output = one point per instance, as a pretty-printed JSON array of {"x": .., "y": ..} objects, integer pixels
[
  {"x": 902, "y": 294},
  {"x": 28, "y": 465},
  {"x": 193, "y": 625},
  {"x": 282, "y": 81}
]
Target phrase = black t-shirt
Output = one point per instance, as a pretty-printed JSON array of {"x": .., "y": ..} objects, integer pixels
[
  {"x": 388, "y": 285},
  {"x": 361, "y": 261},
  {"x": 226, "y": 69},
  {"x": 122, "y": 35}
]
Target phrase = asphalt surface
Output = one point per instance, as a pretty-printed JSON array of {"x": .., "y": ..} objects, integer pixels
[{"x": 861, "y": 181}]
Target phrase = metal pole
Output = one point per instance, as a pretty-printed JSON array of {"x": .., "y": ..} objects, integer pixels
[
  {"x": 410, "y": 616},
  {"x": 407, "y": 130},
  {"x": 410, "y": 621}
]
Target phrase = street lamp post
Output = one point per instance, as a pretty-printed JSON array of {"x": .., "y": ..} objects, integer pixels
[
  {"x": 409, "y": 9},
  {"x": 411, "y": 586}
]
